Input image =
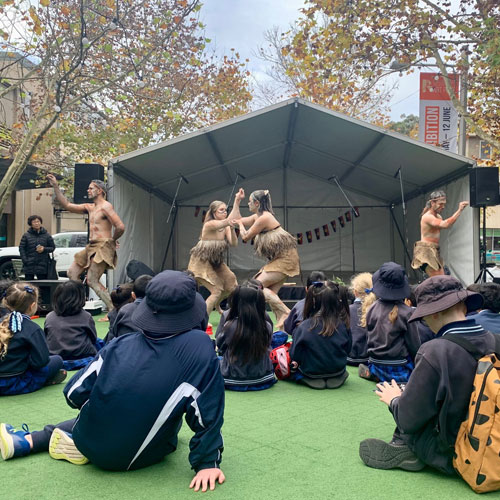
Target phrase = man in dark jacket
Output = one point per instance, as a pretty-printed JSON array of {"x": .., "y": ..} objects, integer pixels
[
  {"x": 133, "y": 396},
  {"x": 430, "y": 410},
  {"x": 34, "y": 248}
]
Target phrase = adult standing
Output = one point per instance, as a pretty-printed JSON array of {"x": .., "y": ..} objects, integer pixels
[
  {"x": 207, "y": 256},
  {"x": 34, "y": 248},
  {"x": 273, "y": 243},
  {"x": 426, "y": 254},
  {"x": 105, "y": 227}
]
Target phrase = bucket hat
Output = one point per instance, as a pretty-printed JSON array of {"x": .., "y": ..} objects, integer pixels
[
  {"x": 439, "y": 293},
  {"x": 172, "y": 304},
  {"x": 390, "y": 282}
]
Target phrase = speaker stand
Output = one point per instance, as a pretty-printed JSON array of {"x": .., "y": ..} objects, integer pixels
[{"x": 484, "y": 272}]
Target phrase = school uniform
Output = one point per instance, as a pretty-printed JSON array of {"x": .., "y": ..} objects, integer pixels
[
  {"x": 319, "y": 356},
  {"x": 391, "y": 347},
  {"x": 358, "y": 353},
  {"x": 488, "y": 319},
  {"x": 244, "y": 376},
  {"x": 434, "y": 403},
  {"x": 295, "y": 317},
  {"x": 27, "y": 365},
  {"x": 123, "y": 322}
]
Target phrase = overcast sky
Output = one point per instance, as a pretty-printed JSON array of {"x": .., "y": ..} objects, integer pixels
[{"x": 241, "y": 24}]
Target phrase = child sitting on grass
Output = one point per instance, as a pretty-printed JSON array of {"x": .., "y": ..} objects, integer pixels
[
  {"x": 322, "y": 341},
  {"x": 392, "y": 343},
  {"x": 296, "y": 315},
  {"x": 25, "y": 363},
  {"x": 361, "y": 286},
  {"x": 120, "y": 296},
  {"x": 70, "y": 330},
  {"x": 244, "y": 342}
]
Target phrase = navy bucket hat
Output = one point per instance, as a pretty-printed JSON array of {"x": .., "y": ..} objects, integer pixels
[
  {"x": 390, "y": 282},
  {"x": 172, "y": 304}
]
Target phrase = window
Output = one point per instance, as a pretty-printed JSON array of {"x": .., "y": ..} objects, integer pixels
[
  {"x": 80, "y": 240},
  {"x": 62, "y": 240}
]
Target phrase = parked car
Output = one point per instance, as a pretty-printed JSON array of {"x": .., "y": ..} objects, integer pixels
[{"x": 67, "y": 245}]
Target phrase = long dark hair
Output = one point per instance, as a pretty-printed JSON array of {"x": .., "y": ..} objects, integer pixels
[
  {"x": 311, "y": 304},
  {"x": 68, "y": 298},
  {"x": 332, "y": 304},
  {"x": 251, "y": 339}
]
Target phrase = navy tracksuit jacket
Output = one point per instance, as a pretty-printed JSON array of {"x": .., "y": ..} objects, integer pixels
[{"x": 133, "y": 396}]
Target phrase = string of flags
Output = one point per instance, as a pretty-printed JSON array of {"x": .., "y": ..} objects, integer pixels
[{"x": 342, "y": 220}]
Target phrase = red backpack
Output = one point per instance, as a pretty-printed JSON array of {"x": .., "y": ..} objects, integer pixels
[{"x": 280, "y": 358}]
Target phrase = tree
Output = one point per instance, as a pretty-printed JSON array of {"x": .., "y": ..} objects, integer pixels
[
  {"x": 408, "y": 126},
  {"x": 303, "y": 65},
  {"x": 112, "y": 74},
  {"x": 461, "y": 36}
]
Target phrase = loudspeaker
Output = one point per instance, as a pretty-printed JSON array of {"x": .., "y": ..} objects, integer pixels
[
  {"x": 85, "y": 173},
  {"x": 484, "y": 187},
  {"x": 46, "y": 290}
]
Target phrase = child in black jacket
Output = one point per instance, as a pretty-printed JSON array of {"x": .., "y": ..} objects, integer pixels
[
  {"x": 70, "y": 330},
  {"x": 322, "y": 341},
  {"x": 25, "y": 363},
  {"x": 392, "y": 343}
]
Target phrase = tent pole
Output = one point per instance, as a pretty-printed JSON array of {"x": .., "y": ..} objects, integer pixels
[
  {"x": 354, "y": 213},
  {"x": 402, "y": 240},
  {"x": 172, "y": 208}
]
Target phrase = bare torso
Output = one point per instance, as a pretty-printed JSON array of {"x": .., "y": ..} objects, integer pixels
[
  {"x": 428, "y": 231},
  {"x": 99, "y": 222},
  {"x": 209, "y": 232}
]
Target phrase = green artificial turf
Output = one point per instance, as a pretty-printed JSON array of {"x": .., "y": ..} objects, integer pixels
[{"x": 288, "y": 442}]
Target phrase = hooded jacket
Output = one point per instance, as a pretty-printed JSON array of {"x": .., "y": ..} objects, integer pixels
[{"x": 133, "y": 396}]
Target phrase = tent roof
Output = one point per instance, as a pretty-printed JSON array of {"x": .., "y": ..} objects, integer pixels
[{"x": 301, "y": 136}]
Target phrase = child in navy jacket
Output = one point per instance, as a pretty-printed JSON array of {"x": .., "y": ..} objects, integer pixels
[
  {"x": 322, "y": 341},
  {"x": 25, "y": 363},
  {"x": 392, "y": 343},
  {"x": 70, "y": 330}
]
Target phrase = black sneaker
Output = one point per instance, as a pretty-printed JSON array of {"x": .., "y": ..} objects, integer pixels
[{"x": 381, "y": 455}]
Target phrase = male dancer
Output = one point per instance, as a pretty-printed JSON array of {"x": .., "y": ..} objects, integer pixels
[
  {"x": 105, "y": 229},
  {"x": 426, "y": 251}
]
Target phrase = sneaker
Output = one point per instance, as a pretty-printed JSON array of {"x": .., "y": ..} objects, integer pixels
[
  {"x": 364, "y": 372},
  {"x": 59, "y": 377},
  {"x": 13, "y": 443},
  {"x": 381, "y": 455},
  {"x": 62, "y": 447}
]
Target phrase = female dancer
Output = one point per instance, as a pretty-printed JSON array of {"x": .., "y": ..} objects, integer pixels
[
  {"x": 207, "y": 256},
  {"x": 273, "y": 243}
]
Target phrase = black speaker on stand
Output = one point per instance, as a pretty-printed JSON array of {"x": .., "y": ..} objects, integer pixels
[
  {"x": 85, "y": 173},
  {"x": 484, "y": 192}
]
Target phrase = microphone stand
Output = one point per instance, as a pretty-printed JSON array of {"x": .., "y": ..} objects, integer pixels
[
  {"x": 234, "y": 186},
  {"x": 354, "y": 215},
  {"x": 172, "y": 207}
]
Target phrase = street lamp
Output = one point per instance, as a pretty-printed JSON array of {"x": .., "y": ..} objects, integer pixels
[{"x": 462, "y": 140}]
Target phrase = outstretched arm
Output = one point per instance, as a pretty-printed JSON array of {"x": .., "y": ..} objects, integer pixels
[{"x": 63, "y": 201}]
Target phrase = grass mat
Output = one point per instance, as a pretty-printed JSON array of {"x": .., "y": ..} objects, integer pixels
[{"x": 287, "y": 442}]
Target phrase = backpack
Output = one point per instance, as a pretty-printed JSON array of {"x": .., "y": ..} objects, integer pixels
[
  {"x": 280, "y": 358},
  {"x": 476, "y": 457}
]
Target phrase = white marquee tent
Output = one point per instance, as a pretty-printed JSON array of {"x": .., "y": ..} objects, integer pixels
[{"x": 298, "y": 151}]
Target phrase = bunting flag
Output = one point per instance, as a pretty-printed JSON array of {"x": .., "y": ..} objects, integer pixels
[
  {"x": 203, "y": 215},
  {"x": 334, "y": 225},
  {"x": 326, "y": 231},
  {"x": 356, "y": 212},
  {"x": 237, "y": 231},
  {"x": 197, "y": 211},
  {"x": 300, "y": 238},
  {"x": 348, "y": 216},
  {"x": 342, "y": 221},
  {"x": 316, "y": 232},
  {"x": 309, "y": 236}
]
